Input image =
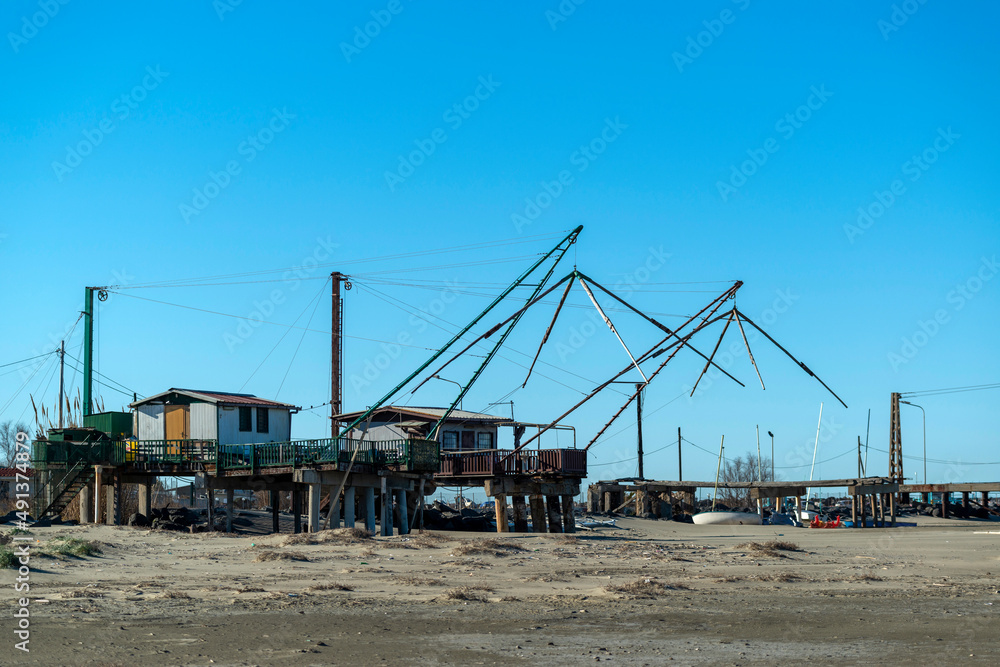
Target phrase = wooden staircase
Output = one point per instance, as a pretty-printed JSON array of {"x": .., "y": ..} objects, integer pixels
[{"x": 62, "y": 490}]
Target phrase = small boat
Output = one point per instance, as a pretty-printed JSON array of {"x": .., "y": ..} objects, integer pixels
[{"x": 725, "y": 518}]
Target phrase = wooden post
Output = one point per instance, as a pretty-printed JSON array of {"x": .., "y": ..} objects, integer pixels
[
  {"x": 145, "y": 498},
  {"x": 349, "y": 497},
  {"x": 965, "y": 502},
  {"x": 97, "y": 494},
  {"x": 404, "y": 519},
  {"x": 798, "y": 508},
  {"x": 666, "y": 506},
  {"x": 501, "y": 511},
  {"x": 210, "y": 493},
  {"x": 944, "y": 504},
  {"x": 569, "y": 520},
  {"x": 986, "y": 499},
  {"x": 593, "y": 499},
  {"x": 555, "y": 522},
  {"x": 386, "y": 509},
  {"x": 297, "y": 509},
  {"x": 370, "y": 509},
  {"x": 230, "y": 497},
  {"x": 537, "y": 514},
  {"x": 334, "y": 521},
  {"x": 892, "y": 509},
  {"x": 312, "y": 506},
  {"x": 86, "y": 504},
  {"x": 420, "y": 503},
  {"x": 275, "y": 502},
  {"x": 854, "y": 510},
  {"x": 760, "y": 508},
  {"x": 608, "y": 500},
  {"x": 520, "y": 514}
]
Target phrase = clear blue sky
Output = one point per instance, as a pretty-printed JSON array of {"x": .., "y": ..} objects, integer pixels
[{"x": 714, "y": 142}]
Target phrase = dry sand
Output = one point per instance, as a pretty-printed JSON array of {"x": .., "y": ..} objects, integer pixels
[{"x": 645, "y": 593}]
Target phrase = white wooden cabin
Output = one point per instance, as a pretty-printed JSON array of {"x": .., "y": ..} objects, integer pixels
[{"x": 231, "y": 419}]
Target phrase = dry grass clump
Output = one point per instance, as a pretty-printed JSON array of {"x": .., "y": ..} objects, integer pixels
[
  {"x": 643, "y": 588},
  {"x": 866, "y": 576},
  {"x": 422, "y": 541},
  {"x": 265, "y": 556},
  {"x": 7, "y": 558},
  {"x": 470, "y": 593},
  {"x": 566, "y": 539},
  {"x": 249, "y": 589},
  {"x": 174, "y": 595},
  {"x": 329, "y": 586},
  {"x": 368, "y": 554},
  {"x": 83, "y": 593},
  {"x": 489, "y": 547},
  {"x": 296, "y": 539},
  {"x": 62, "y": 546},
  {"x": 419, "y": 581},
  {"x": 772, "y": 548}
]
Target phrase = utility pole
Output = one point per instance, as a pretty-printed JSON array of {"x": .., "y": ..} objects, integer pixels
[
  {"x": 680, "y": 466},
  {"x": 896, "y": 444},
  {"x": 337, "y": 353},
  {"x": 62, "y": 385},
  {"x": 638, "y": 410}
]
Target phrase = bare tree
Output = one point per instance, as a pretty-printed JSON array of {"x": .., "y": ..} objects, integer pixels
[
  {"x": 8, "y": 441},
  {"x": 743, "y": 469}
]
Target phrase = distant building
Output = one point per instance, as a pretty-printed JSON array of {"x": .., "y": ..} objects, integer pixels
[
  {"x": 462, "y": 431},
  {"x": 8, "y": 478},
  {"x": 231, "y": 419}
]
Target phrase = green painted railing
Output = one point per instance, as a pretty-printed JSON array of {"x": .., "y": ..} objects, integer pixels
[
  {"x": 165, "y": 451},
  {"x": 411, "y": 455}
]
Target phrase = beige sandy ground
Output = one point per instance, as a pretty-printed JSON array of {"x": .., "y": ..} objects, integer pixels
[{"x": 906, "y": 596}]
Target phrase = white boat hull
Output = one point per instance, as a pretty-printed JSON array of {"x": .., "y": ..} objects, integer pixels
[{"x": 726, "y": 519}]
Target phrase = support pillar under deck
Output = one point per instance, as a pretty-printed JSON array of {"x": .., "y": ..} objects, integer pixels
[{"x": 537, "y": 514}]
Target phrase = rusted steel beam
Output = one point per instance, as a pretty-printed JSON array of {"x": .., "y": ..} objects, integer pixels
[
  {"x": 555, "y": 316},
  {"x": 716, "y": 349},
  {"x": 655, "y": 323},
  {"x": 746, "y": 342},
  {"x": 493, "y": 330},
  {"x": 651, "y": 353},
  {"x": 802, "y": 365}
]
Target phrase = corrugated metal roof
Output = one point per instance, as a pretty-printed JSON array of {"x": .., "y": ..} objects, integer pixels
[
  {"x": 218, "y": 397},
  {"x": 429, "y": 414}
]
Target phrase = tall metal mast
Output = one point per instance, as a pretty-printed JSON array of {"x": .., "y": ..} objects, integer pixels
[
  {"x": 88, "y": 349},
  {"x": 337, "y": 353}
]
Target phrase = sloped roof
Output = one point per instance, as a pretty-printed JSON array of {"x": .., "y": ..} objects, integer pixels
[
  {"x": 426, "y": 414},
  {"x": 217, "y": 397}
]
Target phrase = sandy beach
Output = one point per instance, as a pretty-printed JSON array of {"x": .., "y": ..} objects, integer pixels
[{"x": 642, "y": 593}]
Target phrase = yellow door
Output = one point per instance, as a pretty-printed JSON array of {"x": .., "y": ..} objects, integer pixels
[{"x": 177, "y": 426}]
